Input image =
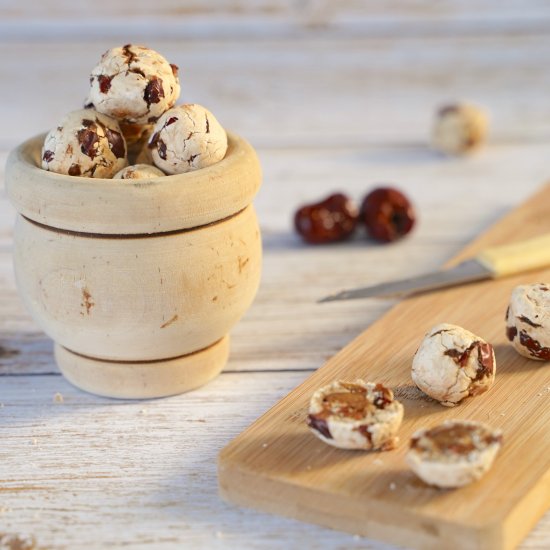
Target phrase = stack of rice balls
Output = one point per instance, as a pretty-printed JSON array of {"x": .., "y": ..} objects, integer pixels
[{"x": 130, "y": 127}]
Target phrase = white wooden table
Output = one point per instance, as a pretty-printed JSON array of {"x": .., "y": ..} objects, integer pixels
[{"x": 335, "y": 96}]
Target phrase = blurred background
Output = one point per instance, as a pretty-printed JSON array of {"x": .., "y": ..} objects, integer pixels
[{"x": 285, "y": 71}]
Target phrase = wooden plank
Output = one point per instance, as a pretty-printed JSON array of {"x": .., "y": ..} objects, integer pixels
[{"x": 277, "y": 466}]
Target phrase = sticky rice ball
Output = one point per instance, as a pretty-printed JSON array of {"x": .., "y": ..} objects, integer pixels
[
  {"x": 85, "y": 143},
  {"x": 528, "y": 321},
  {"x": 452, "y": 364},
  {"x": 133, "y": 84},
  {"x": 187, "y": 137}
]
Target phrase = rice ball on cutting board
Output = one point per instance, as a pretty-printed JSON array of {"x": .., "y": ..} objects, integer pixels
[
  {"x": 138, "y": 171},
  {"x": 528, "y": 320},
  {"x": 458, "y": 129},
  {"x": 454, "y": 453},
  {"x": 452, "y": 364},
  {"x": 134, "y": 84},
  {"x": 187, "y": 137},
  {"x": 85, "y": 143},
  {"x": 355, "y": 415}
]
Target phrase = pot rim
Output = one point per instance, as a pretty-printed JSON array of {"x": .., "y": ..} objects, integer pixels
[{"x": 129, "y": 207}]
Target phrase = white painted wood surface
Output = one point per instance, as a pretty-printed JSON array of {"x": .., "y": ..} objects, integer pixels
[{"x": 334, "y": 98}]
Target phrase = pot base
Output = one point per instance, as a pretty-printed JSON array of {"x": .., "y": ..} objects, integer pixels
[{"x": 143, "y": 379}]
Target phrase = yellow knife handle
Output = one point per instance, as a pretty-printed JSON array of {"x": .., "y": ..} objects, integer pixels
[{"x": 517, "y": 257}]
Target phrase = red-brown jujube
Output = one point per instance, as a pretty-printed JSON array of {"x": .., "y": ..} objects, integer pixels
[
  {"x": 388, "y": 214},
  {"x": 333, "y": 219}
]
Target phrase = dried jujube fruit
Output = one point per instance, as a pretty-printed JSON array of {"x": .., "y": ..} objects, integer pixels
[
  {"x": 387, "y": 214},
  {"x": 330, "y": 220}
]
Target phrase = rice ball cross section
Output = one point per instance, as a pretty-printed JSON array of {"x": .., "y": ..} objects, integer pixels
[
  {"x": 528, "y": 321},
  {"x": 138, "y": 171},
  {"x": 85, "y": 143},
  {"x": 452, "y": 363},
  {"x": 187, "y": 137},
  {"x": 454, "y": 453},
  {"x": 355, "y": 415},
  {"x": 133, "y": 84}
]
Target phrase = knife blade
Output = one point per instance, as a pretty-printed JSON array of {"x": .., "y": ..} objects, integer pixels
[{"x": 491, "y": 263}]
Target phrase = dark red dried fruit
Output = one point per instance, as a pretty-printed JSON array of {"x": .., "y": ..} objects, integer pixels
[
  {"x": 129, "y": 54},
  {"x": 319, "y": 424},
  {"x": 175, "y": 69},
  {"x": 153, "y": 91},
  {"x": 74, "y": 170},
  {"x": 534, "y": 346},
  {"x": 116, "y": 143},
  {"x": 154, "y": 140},
  {"x": 388, "y": 214},
  {"x": 161, "y": 149},
  {"x": 171, "y": 120},
  {"x": 333, "y": 219},
  {"x": 137, "y": 71},
  {"x": 485, "y": 362},
  {"x": 48, "y": 156},
  {"x": 528, "y": 321},
  {"x": 383, "y": 396},
  {"x": 88, "y": 140},
  {"x": 365, "y": 432},
  {"x": 511, "y": 333},
  {"x": 104, "y": 83}
]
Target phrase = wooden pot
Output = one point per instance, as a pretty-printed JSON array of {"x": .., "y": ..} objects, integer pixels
[{"x": 137, "y": 282}]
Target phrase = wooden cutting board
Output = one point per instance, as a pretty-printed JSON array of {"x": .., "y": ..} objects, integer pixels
[{"x": 278, "y": 466}]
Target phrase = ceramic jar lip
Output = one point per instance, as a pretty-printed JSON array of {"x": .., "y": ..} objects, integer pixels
[{"x": 126, "y": 207}]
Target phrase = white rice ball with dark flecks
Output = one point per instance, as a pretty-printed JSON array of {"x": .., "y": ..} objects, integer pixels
[
  {"x": 187, "y": 137},
  {"x": 85, "y": 143},
  {"x": 452, "y": 363},
  {"x": 459, "y": 129},
  {"x": 528, "y": 321},
  {"x": 133, "y": 84}
]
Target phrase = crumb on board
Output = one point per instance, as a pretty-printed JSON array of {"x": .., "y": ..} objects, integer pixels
[
  {"x": 393, "y": 486},
  {"x": 58, "y": 398},
  {"x": 378, "y": 462},
  {"x": 264, "y": 445}
]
